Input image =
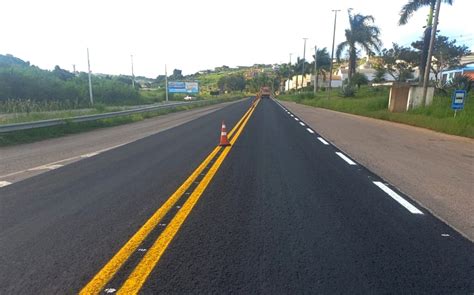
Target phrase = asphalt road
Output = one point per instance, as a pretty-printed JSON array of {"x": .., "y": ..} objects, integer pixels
[{"x": 283, "y": 214}]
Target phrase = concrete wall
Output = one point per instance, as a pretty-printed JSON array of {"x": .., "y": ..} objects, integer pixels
[{"x": 415, "y": 97}]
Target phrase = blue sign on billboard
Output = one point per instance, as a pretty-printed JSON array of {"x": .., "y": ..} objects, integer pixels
[
  {"x": 183, "y": 87},
  {"x": 459, "y": 97}
]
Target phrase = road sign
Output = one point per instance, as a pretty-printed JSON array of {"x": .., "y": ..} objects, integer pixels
[
  {"x": 459, "y": 97},
  {"x": 183, "y": 87}
]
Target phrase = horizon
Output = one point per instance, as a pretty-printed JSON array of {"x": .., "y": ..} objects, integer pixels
[{"x": 199, "y": 41}]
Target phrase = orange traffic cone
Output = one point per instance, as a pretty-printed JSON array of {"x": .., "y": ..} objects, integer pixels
[{"x": 224, "y": 140}]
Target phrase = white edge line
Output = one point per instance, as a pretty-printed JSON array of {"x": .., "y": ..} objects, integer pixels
[
  {"x": 323, "y": 141},
  {"x": 398, "y": 198},
  {"x": 297, "y": 119},
  {"x": 345, "y": 158},
  {"x": 310, "y": 131},
  {"x": 4, "y": 183},
  {"x": 302, "y": 124}
]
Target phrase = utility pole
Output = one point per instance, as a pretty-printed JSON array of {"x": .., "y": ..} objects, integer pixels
[
  {"x": 133, "y": 76},
  {"x": 315, "y": 69},
  {"x": 302, "y": 69},
  {"x": 90, "y": 81},
  {"x": 430, "y": 52},
  {"x": 289, "y": 72},
  {"x": 166, "y": 83},
  {"x": 332, "y": 51}
]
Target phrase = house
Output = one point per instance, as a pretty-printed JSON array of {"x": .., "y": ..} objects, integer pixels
[{"x": 448, "y": 75}]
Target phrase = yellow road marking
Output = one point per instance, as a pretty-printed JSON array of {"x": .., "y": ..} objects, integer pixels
[
  {"x": 108, "y": 271},
  {"x": 139, "y": 275}
]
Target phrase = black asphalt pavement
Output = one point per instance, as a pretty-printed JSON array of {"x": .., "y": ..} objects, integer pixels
[{"x": 283, "y": 215}]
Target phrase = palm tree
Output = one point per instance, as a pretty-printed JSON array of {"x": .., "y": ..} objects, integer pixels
[
  {"x": 361, "y": 33},
  {"x": 407, "y": 11},
  {"x": 323, "y": 64}
]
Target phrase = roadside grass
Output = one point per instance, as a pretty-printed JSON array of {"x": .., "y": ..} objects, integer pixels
[
  {"x": 372, "y": 102},
  {"x": 37, "y": 134}
]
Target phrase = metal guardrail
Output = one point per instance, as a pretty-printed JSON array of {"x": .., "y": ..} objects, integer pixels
[{"x": 53, "y": 122}]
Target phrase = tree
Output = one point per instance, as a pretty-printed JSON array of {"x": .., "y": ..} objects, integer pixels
[
  {"x": 231, "y": 83},
  {"x": 62, "y": 74},
  {"x": 399, "y": 62},
  {"x": 298, "y": 68},
  {"x": 446, "y": 54},
  {"x": 359, "y": 79},
  {"x": 361, "y": 33},
  {"x": 177, "y": 75},
  {"x": 407, "y": 11},
  {"x": 323, "y": 64}
]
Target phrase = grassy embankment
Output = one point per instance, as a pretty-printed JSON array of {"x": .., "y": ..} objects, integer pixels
[
  {"x": 37, "y": 134},
  {"x": 373, "y": 102}
]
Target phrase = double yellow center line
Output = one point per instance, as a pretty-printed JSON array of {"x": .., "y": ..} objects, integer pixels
[{"x": 141, "y": 272}]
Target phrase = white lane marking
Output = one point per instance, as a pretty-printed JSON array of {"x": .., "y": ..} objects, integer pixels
[
  {"x": 398, "y": 198},
  {"x": 310, "y": 131},
  {"x": 4, "y": 183},
  {"x": 110, "y": 290},
  {"x": 291, "y": 115},
  {"x": 323, "y": 141},
  {"x": 297, "y": 119},
  {"x": 46, "y": 167},
  {"x": 445, "y": 235},
  {"x": 345, "y": 158},
  {"x": 89, "y": 155},
  {"x": 302, "y": 124}
]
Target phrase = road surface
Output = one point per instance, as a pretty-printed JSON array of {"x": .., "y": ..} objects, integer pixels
[{"x": 280, "y": 211}]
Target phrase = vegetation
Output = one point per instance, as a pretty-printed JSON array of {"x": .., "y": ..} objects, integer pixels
[
  {"x": 361, "y": 33},
  {"x": 21, "y": 81},
  {"x": 373, "y": 101},
  {"x": 407, "y": 11},
  {"x": 447, "y": 54},
  {"x": 400, "y": 62}
]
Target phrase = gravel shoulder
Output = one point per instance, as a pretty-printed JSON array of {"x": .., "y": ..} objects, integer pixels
[{"x": 434, "y": 169}]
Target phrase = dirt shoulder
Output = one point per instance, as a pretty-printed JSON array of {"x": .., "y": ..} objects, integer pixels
[{"x": 434, "y": 169}]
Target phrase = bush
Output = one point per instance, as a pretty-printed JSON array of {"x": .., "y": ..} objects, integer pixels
[
  {"x": 359, "y": 79},
  {"x": 348, "y": 91}
]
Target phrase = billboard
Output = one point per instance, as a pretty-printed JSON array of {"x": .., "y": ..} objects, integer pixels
[{"x": 183, "y": 87}]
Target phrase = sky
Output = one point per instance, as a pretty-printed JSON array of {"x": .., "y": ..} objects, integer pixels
[{"x": 196, "y": 35}]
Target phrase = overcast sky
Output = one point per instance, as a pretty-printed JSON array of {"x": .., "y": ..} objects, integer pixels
[{"x": 194, "y": 35}]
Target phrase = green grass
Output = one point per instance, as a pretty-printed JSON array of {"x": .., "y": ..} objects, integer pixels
[
  {"x": 373, "y": 102},
  {"x": 32, "y": 135}
]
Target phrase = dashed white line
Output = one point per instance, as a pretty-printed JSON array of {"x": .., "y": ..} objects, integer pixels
[
  {"x": 345, "y": 158},
  {"x": 46, "y": 167},
  {"x": 310, "y": 131},
  {"x": 323, "y": 141},
  {"x": 297, "y": 119},
  {"x": 302, "y": 124},
  {"x": 4, "y": 183},
  {"x": 397, "y": 198},
  {"x": 89, "y": 155},
  {"x": 291, "y": 115}
]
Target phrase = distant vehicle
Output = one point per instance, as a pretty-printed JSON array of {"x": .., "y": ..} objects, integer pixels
[
  {"x": 265, "y": 92},
  {"x": 188, "y": 97}
]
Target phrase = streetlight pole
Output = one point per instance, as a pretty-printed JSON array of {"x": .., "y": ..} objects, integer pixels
[
  {"x": 166, "y": 83},
  {"x": 430, "y": 52},
  {"x": 133, "y": 76},
  {"x": 302, "y": 68},
  {"x": 332, "y": 51},
  {"x": 315, "y": 69},
  {"x": 90, "y": 80},
  {"x": 289, "y": 72}
]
